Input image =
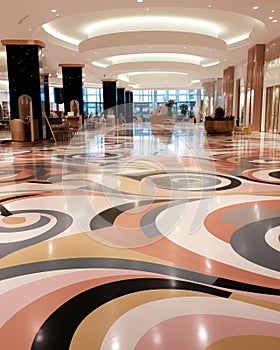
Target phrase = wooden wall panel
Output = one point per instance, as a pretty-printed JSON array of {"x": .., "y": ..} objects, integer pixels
[
  {"x": 228, "y": 86},
  {"x": 255, "y": 69}
]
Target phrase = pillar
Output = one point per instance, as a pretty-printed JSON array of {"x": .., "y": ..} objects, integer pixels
[
  {"x": 73, "y": 86},
  {"x": 47, "y": 102},
  {"x": 24, "y": 61},
  {"x": 255, "y": 70},
  {"x": 47, "y": 95},
  {"x": 129, "y": 106},
  {"x": 228, "y": 88},
  {"x": 121, "y": 100},
  {"x": 209, "y": 93},
  {"x": 198, "y": 106},
  {"x": 109, "y": 95},
  {"x": 218, "y": 96}
]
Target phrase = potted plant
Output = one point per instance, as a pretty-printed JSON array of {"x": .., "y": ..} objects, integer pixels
[
  {"x": 184, "y": 109},
  {"x": 169, "y": 106},
  {"x": 219, "y": 123}
]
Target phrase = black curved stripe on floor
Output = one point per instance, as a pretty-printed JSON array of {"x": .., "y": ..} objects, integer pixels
[
  {"x": 12, "y": 198},
  {"x": 245, "y": 287},
  {"x": 57, "y": 331},
  {"x": 260, "y": 252},
  {"x": 107, "y": 217},
  {"x": 233, "y": 181},
  {"x": 148, "y": 221},
  {"x": 4, "y": 211},
  {"x": 63, "y": 222},
  {"x": 111, "y": 263},
  {"x": 275, "y": 174}
]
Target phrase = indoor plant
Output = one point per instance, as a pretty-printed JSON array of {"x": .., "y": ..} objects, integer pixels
[{"x": 219, "y": 123}]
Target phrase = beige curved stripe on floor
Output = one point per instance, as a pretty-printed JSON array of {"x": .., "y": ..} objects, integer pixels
[
  {"x": 90, "y": 333},
  {"x": 75, "y": 246},
  {"x": 250, "y": 342},
  {"x": 253, "y": 301},
  {"x": 15, "y": 220}
]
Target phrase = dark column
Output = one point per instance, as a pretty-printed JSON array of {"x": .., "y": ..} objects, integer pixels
[
  {"x": 72, "y": 86},
  {"x": 121, "y": 100},
  {"x": 131, "y": 106},
  {"x": 47, "y": 101},
  {"x": 24, "y": 61},
  {"x": 109, "y": 94},
  {"x": 127, "y": 107},
  {"x": 47, "y": 95}
]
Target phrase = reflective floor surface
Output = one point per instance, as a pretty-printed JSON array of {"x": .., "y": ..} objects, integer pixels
[{"x": 141, "y": 238}]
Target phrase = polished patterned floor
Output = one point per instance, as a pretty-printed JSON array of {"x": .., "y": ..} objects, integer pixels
[{"x": 140, "y": 238}]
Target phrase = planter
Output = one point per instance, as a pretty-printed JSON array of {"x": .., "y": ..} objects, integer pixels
[{"x": 225, "y": 127}]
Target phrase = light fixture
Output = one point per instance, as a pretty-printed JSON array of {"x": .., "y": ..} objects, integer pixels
[
  {"x": 53, "y": 10},
  {"x": 140, "y": 0},
  {"x": 270, "y": 17},
  {"x": 255, "y": 7},
  {"x": 272, "y": 10},
  {"x": 275, "y": 21},
  {"x": 210, "y": 64}
]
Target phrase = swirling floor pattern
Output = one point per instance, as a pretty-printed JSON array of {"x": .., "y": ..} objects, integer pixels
[{"x": 127, "y": 239}]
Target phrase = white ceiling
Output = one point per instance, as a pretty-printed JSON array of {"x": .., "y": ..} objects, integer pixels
[{"x": 153, "y": 44}]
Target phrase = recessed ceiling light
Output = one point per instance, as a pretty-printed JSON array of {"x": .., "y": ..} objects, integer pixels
[
  {"x": 275, "y": 20},
  {"x": 139, "y": 0},
  {"x": 53, "y": 10},
  {"x": 255, "y": 7},
  {"x": 29, "y": 29},
  {"x": 272, "y": 10},
  {"x": 270, "y": 17},
  {"x": 209, "y": 5},
  {"x": 148, "y": 9}
]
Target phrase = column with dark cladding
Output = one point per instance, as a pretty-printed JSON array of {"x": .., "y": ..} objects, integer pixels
[
  {"x": 24, "y": 61},
  {"x": 121, "y": 100},
  {"x": 72, "y": 79},
  {"x": 109, "y": 94}
]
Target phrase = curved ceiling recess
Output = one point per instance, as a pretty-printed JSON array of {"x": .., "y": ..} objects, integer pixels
[{"x": 178, "y": 38}]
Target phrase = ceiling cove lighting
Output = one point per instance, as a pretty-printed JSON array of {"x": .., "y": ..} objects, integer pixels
[
  {"x": 155, "y": 57},
  {"x": 153, "y": 23},
  {"x": 51, "y": 31},
  {"x": 155, "y": 72},
  {"x": 237, "y": 39},
  {"x": 210, "y": 64}
]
